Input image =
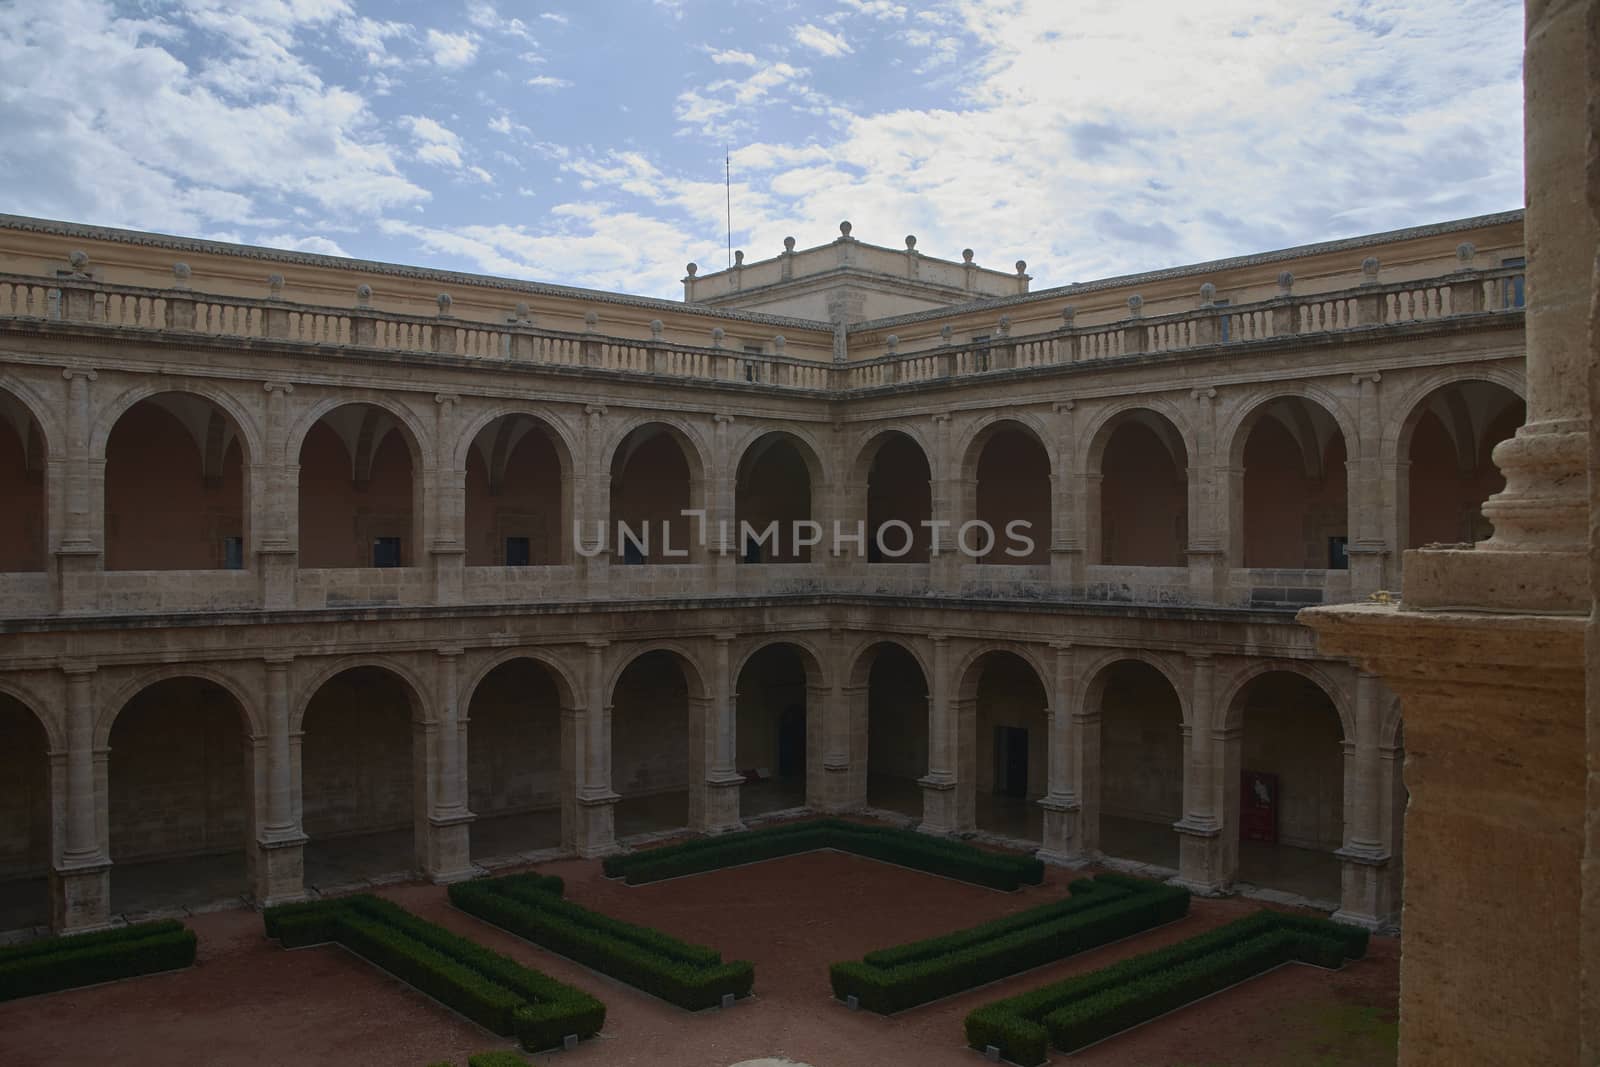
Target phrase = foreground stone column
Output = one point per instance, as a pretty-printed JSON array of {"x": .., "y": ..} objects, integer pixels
[
  {"x": 714, "y": 798},
  {"x": 596, "y": 808},
  {"x": 447, "y": 847},
  {"x": 1207, "y": 554},
  {"x": 277, "y": 507},
  {"x": 1366, "y": 892},
  {"x": 1063, "y": 836},
  {"x": 78, "y": 554},
  {"x": 80, "y": 889},
  {"x": 280, "y": 844},
  {"x": 1206, "y": 865},
  {"x": 939, "y": 814}
]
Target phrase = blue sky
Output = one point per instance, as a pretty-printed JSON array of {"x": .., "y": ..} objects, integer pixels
[{"x": 583, "y": 143}]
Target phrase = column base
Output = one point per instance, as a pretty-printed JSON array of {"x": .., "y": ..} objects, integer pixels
[
  {"x": 1366, "y": 888},
  {"x": 1206, "y": 866},
  {"x": 596, "y": 830},
  {"x": 280, "y": 873},
  {"x": 939, "y": 804},
  {"x": 836, "y": 788},
  {"x": 719, "y": 805},
  {"x": 1208, "y": 575},
  {"x": 277, "y": 566},
  {"x": 80, "y": 898},
  {"x": 447, "y": 856},
  {"x": 594, "y": 575},
  {"x": 1062, "y": 845},
  {"x": 449, "y": 561},
  {"x": 77, "y": 577}
]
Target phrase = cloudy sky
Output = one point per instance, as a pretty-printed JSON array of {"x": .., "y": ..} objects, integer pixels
[{"x": 583, "y": 142}]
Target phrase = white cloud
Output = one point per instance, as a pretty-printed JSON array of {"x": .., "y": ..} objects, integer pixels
[
  {"x": 303, "y": 243},
  {"x": 545, "y": 81},
  {"x": 558, "y": 19},
  {"x": 821, "y": 41},
  {"x": 452, "y": 50},
  {"x": 372, "y": 37},
  {"x": 483, "y": 15},
  {"x": 733, "y": 56},
  {"x": 883, "y": 10}
]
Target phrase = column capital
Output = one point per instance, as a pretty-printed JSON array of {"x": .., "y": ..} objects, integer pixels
[
  {"x": 596, "y": 644},
  {"x": 721, "y": 418},
  {"x": 77, "y": 668},
  {"x": 1063, "y": 407},
  {"x": 277, "y": 387},
  {"x": 594, "y": 410},
  {"x": 1062, "y": 645},
  {"x": 277, "y": 660},
  {"x": 1366, "y": 376},
  {"x": 1203, "y": 395},
  {"x": 86, "y": 373},
  {"x": 723, "y": 639},
  {"x": 450, "y": 651}
]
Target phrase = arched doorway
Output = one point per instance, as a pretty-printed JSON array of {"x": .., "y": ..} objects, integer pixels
[
  {"x": 899, "y": 499},
  {"x": 24, "y": 818},
  {"x": 1291, "y": 790},
  {"x": 771, "y": 731},
  {"x": 517, "y": 510},
  {"x": 363, "y": 810},
  {"x": 897, "y": 728},
  {"x": 650, "y": 738},
  {"x": 1138, "y": 469},
  {"x": 1446, "y": 447},
  {"x": 1009, "y": 472},
  {"x": 1140, "y": 763},
  {"x": 175, "y": 488},
  {"x": 514, "y": 756},
  {"x": 773, "y": 488},
  {"x": 179, "y": 784},
  {"x": 1292, "y": 512},
  {"x": 653, "y": 482},
  {"x": 358, "y": 490},
  {"x": 1010, "y": 742},
  {"x": 23, "y": 456}
]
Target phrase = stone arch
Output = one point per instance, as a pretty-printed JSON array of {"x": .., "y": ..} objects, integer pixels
[
  {"x": 1468, "y": 415},
  {"x": 1002, "y": 707},
  {"x": 1249, "y": 408},
  {"x": 1335, "y": 693},
  {"x": 909, "y": 500},
  {"x": 652, "y": 507},
  {"x": 965, "y": 676},
  {"x": 567, "y": 446},
  {"x": 805, "y": 441},
  {"x": 1015, "y": 482},
  {"x": 891, "y": 698},
  {"x": 112, "y": 708},
  {"x": 1134, "y": 754},
  {"x": 657, "y": 695},
  {"x": 1136, "y": 463},
  {"x": 242, "y": 417},
  {"x": 54, "y": 733},
  {"x": 518, "y": 768},
  {"x": 417, "y": 689},
  {"x": 779, "y": 692},
  {"x": 696, "y": 453},
  {"x": 512, "y": 514},
  {"x": 565, "y": 678},
  {"x": 25, "y": 471},
  {"x": 339, "y": 524},
  {"x": 983, "y": 429},
  {"x": 815, "y": 661},
  {"x": 695, "y": 674},
  {"x": 768, "y": 489},
  {"x": 1289, "y": 506},
  {"x": 43, "y": 413},
  {"x": 1093, "y": 675},
  {"x": 417, "y": 437},
  {"x": 1396, "y": 431},
  {"x": 29, "y": 840},
  {"x": 861, "y": 664}
]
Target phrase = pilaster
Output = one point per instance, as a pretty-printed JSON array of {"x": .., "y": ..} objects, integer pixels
[
  {"x": 80, "y": 880},
  {"x": 1063, "y": 814},
  {"x": 1208, "y": 848},
  {"x": 596, "y": 803},
  {"x": 280, "y": 842},
  {"x": 446, "y": 845}
]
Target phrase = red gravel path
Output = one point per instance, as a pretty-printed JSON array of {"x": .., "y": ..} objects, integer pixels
[{"x": 249, "y": 1002}]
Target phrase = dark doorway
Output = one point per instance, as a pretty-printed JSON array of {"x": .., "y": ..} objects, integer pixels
[
  {"x": 1010, "y": 761},
  {"x": 792, "y": 742}
]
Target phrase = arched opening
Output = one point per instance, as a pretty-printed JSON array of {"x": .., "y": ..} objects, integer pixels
[
  {"x": 1447, "y": 447},
  {"x": 1291, "y": 787},
  {"x": 650, "y": 735},
  {"x": 899, "y": 492},
  {"x": 773, "y": 490},
  {"x": 1141, "y": 472},
  {"x": 175, "y": 487},
  {"x": 1012, "y": 478},
  {"x": 363, "y": 808},
  {"x": 179, "y": 786},
  {"x": 22, "y": 486},
  {"x": 771, "y": 730},
  {"x": 358, "y": 491},
  {"x": 517, "y": 512},
  {"x": 1141, "y": 763},
  {"x": 897, "y": 730},
  {"x": 514, "y": 779},
  {"x": 652, "y": 484},
  {"x": 24, "y": 818},
  {"x": 1294, "y": 487},
  {"x": 1012, "y": 741}
]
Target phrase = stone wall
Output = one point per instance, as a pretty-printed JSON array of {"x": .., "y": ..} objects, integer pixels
[
  {"x": 649, "y": 727},
  {"x": 897, "y": 717},
  {"x": 1291, "y": 730},
  {"x": 1141, "y": 746},
  {"x": 357, "y": 756},
  {"x": 25, "y": 795},
  {"x": 514, "y": 741}
]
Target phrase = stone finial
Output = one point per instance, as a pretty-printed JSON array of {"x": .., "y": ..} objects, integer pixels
[
  {"x": 738, "y": 258},
  {"x": 1285, "y": 282},
  {"x": 521, "y": 312},
  {"x": 1369, "y": 271},
  {"x": 1135, "y": 303},
  {"x": 844, "y": 228},
  {"x": 180, "y": 275},
  {"x": 1003, "y": 327},
  {"x": 717, "y": 334},
  {"x": 363, "y": 295},
  {"x": 275, "y": 286},
  {"x": 1208, "y": 295},
  {"x": 777, "y": 344},
  {"x": 444, "y": 301},
  {"x": 1465, "y": 251},
  {"x": 591, "y": 319},
  {"x": 655, "y": 329},
  {"x": 78, "y": 259},
  {"x": 966, "y": 255},
  {"x": 1068, "y": 315},
  {"x": 1022, "y": 267},
  {"x": 692, "y": 268},
  {"x": 945, "y": 333},
  {"x": 891, "y": 343},
  {"x": 788, "y": 244},
  {"x": 911, "y": 242}
]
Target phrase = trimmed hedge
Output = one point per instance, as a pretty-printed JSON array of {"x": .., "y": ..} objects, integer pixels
[
  {"x": 492, "y": 990},
  {"x": 690, "y": 976},
  {"x": 55, "y": 963},
  {"x": 1085, "y": 1008},
  {"x": 936, "y": 855},
  {"x": 1105, "y": 909}
]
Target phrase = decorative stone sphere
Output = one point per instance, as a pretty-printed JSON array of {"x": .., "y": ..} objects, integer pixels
[
  {"x": 717, "y": 334},
  {"x": 844, "y": 228},
  {"x": 1068, "y": 313},
  {"x": 911, "y": 241},
  {"x": 521, "y": 310},
  {"x": 738, "y": 258},
  {"x": 78, "y": 258},
  {"x": 656, "y": 327},
  {"x": 1135, "y": 302},
  {"x": 363, "y": 294},
  {"x": 778, "y": 341},
  {"x": 181, "y": 271},
  {"x": 945, "y": 332},
  {"x": 692, "y": 268},
  {"x": 788, "y": 244},
  {"x": 1369, "y": 266},
  {"x": 1022, "y": 266},
  {"x": 444, "y": 303},
  {"x": 1004, "y": 324},
  {"x": 590, "y": 318},
  {"x": 1285, "y": 280},
  {"x": 966, "y": 255},
  {"x": 275, "y": 283},
  {"x": 1208, "y": 294},
  {"x": 1465, "y": 251},
  {"x": 893, "y": 341}
]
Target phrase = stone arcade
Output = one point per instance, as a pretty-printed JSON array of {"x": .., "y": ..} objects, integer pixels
[{"x": 293, "y": 599}]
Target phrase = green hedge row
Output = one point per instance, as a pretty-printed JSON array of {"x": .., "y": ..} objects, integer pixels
[
  {"x": 84, "y": 959},
  {"x": 1085, "y": 1008},
  {"x": 1106, "y": 909},
  {"x": 492, "y": 990},
  {"x": 690, "y": 976},
  {"x": 936, "y": 855}
]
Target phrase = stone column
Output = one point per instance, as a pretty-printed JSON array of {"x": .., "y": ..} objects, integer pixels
[
  {"x": 1067, "y": 541},
  {"x": 78, "y": 553},
  {"x": 80, "y": 890},
  {"x": 835, "y": 708},
  {"x": 447, "y": 545},
  {"x": 1369, "y": 552},
  {"x": 1206, "y": 863},
  {"x": 722, "y": 548},
  {"x": 718, "y": 807},
  {"x": 280, "y": 844},
  {"x": 939, "y": 815},
  {"x": 447, "y": 843},
  {"x": 944, "y": 560},
  {"x": 1063, "y": 815},
  {"x": 1207, "y": 554},
  {"x": 596, "y": 809},
  {"x": 596, "y": 526},
  {"x": 1366, "y": 895},
  {"x": 276, "y": 511}
]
